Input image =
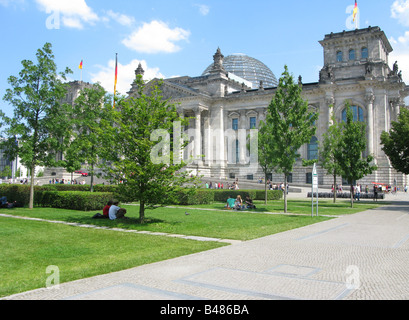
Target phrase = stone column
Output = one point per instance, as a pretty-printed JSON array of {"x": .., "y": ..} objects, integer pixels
[
  {"x": 370, "y": 98},
  {"x": 330, "y": 103},
  {"x": 198, "y": 137},
  {"x": 395, "y": 108},
  {"x": 242, "y": 137},
  {"x": 221, "y": 150}
]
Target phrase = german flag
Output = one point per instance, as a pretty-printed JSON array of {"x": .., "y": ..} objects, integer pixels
[
  {"x": 116, "y": 76},
  {"x": 80, "y": 66},
  {"x": 355, "y": 12}
]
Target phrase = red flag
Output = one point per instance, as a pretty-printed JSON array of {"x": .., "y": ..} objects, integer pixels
[
  {"x": 355, "y": 10},
  {"x": 116, "y": 76}
]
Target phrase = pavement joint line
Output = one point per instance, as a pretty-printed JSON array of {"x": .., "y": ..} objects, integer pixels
[{"x": 74, "y": 224}]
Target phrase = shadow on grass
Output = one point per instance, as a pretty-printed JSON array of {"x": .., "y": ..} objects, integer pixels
[{"x": 127, "y": 223}]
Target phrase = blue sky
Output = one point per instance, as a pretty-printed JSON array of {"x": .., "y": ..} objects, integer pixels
[{"x": 177, "y": 38}]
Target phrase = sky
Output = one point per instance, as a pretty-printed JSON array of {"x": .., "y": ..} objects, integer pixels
[{"x": 179, "y": 38}]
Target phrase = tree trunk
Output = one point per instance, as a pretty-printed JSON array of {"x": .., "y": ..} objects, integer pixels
[
  {"x": 142, "y": 212},
  {"x": 285, "y": 193},
  {"x": 335, "y": 187},
  {"x": 352, "y": 196},
  {"x": 92, "y": 178},
  {"x": 265, "y": 188},
  {"x": 31, "y": 203}
]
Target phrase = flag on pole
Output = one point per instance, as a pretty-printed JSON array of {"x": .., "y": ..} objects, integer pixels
[
  {"x": 80, "y": 66},
  {"x": 116, "y": 76},
  {"x": 355, "y": 12}
]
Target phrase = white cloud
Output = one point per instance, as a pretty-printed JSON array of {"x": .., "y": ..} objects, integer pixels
[
  {"x": 155, "y": 37},
  {"x": 126, "y": 75},
  {"x": 73, "y": 13},
  {"x": 203, "y": 9},
  {"x": 400, "y": 11},
  {"x": 122, "y": 19}
]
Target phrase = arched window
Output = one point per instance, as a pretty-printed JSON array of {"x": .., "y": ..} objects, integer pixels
[
  {"x": 352, "y": 54},
  {"x": 339, "y": 56},
  {"x": 364, "y": 53},
  {"x": 312, "y": 149},
  {"x": 356, "y": 111}
]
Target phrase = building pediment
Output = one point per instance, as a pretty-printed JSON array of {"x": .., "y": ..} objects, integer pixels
[{"x": 170, "y": 90}]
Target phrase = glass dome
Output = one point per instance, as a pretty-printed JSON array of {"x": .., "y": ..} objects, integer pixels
[{"x": 249, "y": 69}]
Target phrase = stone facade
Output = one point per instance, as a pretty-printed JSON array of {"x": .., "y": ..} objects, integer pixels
[{"x": 222, "y": 109}]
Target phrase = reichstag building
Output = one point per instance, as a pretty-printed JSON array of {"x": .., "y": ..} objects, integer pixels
[{"x": 232, "y": 94}]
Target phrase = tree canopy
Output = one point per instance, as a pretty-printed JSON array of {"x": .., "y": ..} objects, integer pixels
[
  {"x": 36, "y": 130},
  {"x": 143, "y": 144},
  {"x": 396, "y": 142},
  {"x": 290, "y": 125}
]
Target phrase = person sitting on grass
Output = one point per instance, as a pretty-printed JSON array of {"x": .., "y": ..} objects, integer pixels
[
  {"x": 230, "y": 203},
  {"x": 238, "y": 203},
  {"x": 249, "y": 203},
  {"x": 105, "y": 211},
  {"x": 116, "y": 212}
]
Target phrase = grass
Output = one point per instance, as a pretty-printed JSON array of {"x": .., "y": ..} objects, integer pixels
[{"x": 29, "y": 247}]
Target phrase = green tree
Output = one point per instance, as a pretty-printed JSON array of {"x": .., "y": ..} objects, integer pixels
[
  {"x": 85, "y": 144},
  {"x": 349, "y": 155},
  {"x": 143, "y": 149},
  {"x": 330, "y": 144},
  {"x": 6, "y": 173},
  {"x": 290, "y": 125},
  {"x": 396, "y": 142},
  {"x": 39, "y": 116},
  {"x": 265, "y": 155}
]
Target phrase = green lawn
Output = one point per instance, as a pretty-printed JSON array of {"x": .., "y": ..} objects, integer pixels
[{"x": 29, "y": 247}]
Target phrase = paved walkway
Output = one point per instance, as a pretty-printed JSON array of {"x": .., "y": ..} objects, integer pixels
[{"x": 361, "y": 256}]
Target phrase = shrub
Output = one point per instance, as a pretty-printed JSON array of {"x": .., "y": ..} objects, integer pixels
[
  {"x": 74, "y": 200},
  {"x": 199, "y": 196},
  {"x": 271, "y": 195}
]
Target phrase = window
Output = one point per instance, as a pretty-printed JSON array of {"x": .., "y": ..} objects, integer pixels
[
  {"x": 364, "y": 53},
  {"x": 339, "y": 56},
  {"x": 308, "y": 178},
  {"x": 253, "y": 122},
  {"x": 356, "y": 111},
  {"x": 352, "y": 54},
  {"x": 235, "y": 124},
  {"x": 312, "y": 149}
]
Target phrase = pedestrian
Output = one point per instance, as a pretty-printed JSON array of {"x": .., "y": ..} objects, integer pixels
[
  {"x": 358, "y": 192},
  {"x": 375, "y": 192}
]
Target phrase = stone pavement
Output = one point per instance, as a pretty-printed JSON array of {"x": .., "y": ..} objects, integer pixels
[{"x": 356, "y": 257}]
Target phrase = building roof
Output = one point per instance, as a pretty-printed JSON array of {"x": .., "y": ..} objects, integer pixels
[{"x": 249, "y": 69}]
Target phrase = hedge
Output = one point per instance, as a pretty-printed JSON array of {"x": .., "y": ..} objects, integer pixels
[
  {"x": 49, "y": 196},
  {"x": 78, "y": 197},
  {"x": 74, "y": 200}
]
